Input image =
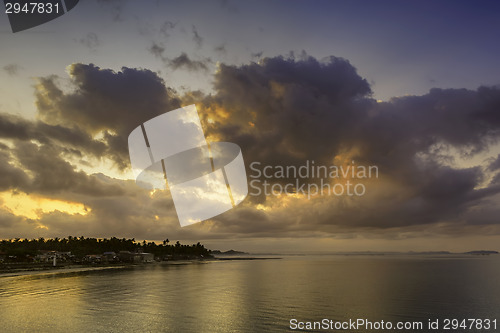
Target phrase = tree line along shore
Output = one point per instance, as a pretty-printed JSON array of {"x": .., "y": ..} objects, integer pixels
[{"x": 82, "y": 250}]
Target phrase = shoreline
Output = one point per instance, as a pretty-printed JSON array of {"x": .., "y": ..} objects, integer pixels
[
  {"x": 79, "y": 268},
  {"x": 58, "y": 270}
]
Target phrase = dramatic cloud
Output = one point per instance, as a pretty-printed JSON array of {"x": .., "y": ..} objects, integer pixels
[
  {"x": 50, "y": 173},
  {"x": 10, "y": 176},
  {"x": 97, "y": 116},
  {"x": 281, "y": 112},
  {"x": 284, "y": 112},
  {"x": 495, "y": 165},
  {"x": 105, "y": 104}
]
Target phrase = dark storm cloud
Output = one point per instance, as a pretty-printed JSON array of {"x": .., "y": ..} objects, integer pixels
[
  {"x": 12, "y": 69},
  {"x": 8, "y": 220},
  {"x": 411, "y": 136},
  {"x": 15, "y": 127},
  {"x": 90, "y": 122},
  {"x": 106, "y": 102},
  {"x": 103, "y": 103},
  {"x": 41, "y": 168},
  {"x": 11, "y": 177},
  {"x": 283, "y": 111},
  {"x": 50, "y": 173},
  {"x": 468, "y": 120},
  {"x": 316, "y": 109},
  {"x": 495, "y": 165},
  {"x": 280, "y": 111}
]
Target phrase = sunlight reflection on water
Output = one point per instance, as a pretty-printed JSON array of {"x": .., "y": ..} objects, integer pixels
[{"x": 252, "y": 296}]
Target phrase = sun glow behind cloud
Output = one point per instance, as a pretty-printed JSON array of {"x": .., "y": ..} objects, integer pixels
[{"x": 33, "y": 206}]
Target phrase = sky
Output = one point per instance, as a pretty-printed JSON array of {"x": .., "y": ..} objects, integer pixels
[{"x": 410, "y": 88}]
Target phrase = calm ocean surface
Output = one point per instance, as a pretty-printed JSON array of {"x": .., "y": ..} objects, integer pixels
[{"x": 254, "y": 296}]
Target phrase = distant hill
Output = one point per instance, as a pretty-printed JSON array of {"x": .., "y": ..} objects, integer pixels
[
  {"x": 228, "y": 253},
  {"x": 482, "y": 253},
  {"x": 431, "y": 252}
]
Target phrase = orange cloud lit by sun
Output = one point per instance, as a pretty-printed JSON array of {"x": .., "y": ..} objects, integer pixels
[{"x": 33, "y": 206}]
